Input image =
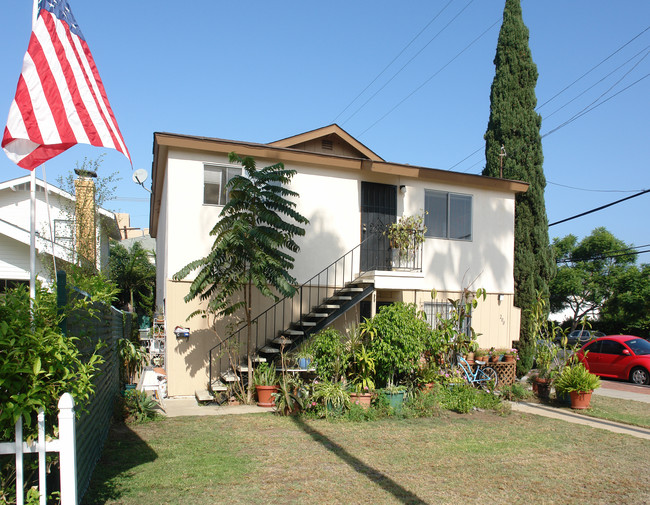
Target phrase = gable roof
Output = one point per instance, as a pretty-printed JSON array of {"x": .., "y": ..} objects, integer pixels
[
  {"x": 330, "y": 133},
  {"x": 350, "y": 154},
  {"x": 107, "y": 216}
]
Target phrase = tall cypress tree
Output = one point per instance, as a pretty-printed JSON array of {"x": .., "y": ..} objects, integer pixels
[{"x": 515, "y": 125}]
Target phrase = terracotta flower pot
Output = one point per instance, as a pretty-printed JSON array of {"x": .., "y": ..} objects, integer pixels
[
  {"x": 509, "y": 358},
  {"x": 543, "y": 388},
  {"x": 580, "y": 400},
  {"x": 361, "y": 399},
  {"x": 264, "y": 395}
]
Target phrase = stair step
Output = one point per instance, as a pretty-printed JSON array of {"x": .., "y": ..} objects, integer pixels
[
  {"x": 203, "y": 395},
  {"x": 269, "y": 350},
  {"x": 294, "y": 333},
  {"x": 342, "y": 298},
  {"x": 307, "y": 323},
  {"x": 229, "y": 376},
  {"x": 218, "y": 386},
  {"x": 351, "y": 290},
  {"x": 329, "y": 307},
  {"x": 317, "y": 315},
  {"x": 258, "y": 359},
  {"x": 282, "y": 341}
]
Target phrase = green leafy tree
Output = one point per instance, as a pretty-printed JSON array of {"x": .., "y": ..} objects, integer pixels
[
  {"x": 588, "y": 274},
  {"x": 627, "y": 310},
  {"x": 135, "y": 276},
  {"x": 515, "y": 126},
  {"x": 254, "y": 240}
]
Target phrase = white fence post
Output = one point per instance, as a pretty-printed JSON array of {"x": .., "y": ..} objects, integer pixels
[
  {"x": 20, "y": 496},
  {"x": 68, "y": 454}
]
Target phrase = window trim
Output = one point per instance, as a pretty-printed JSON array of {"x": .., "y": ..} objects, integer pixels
[
  {"x": 225, "y": 167},
  {"x": 448, "y": 195}
]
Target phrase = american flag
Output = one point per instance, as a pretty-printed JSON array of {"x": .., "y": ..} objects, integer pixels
[{"x": 60, "y": 99}]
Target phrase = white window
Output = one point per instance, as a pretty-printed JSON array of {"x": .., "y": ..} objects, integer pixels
[
  {"x": 448, "y": 215},
  {"x": 437, "y": 311},
  {"x": 215, "y": 178},
  {"x": 63, "y": 230}
]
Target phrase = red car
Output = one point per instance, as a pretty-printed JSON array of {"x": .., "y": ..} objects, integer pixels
[{"x": 619, "y": 356}]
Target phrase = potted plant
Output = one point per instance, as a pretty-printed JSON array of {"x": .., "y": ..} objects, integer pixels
[
  {"x": 576, "y": 380},
  {"x": 304, "y": 357},
  {"x": 290, "y": 396},
  {"x": 395, "y": 395},
  {"x": 406, "y": 236},
  {"x": 361, "y": 374},
  {"x": 265, "y": 380},
  {"x": 510, "y": 356},
  {"x": 332, "y": 395}
]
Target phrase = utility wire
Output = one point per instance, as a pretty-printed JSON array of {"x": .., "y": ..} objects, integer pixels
[
  {"x": 564, "y": 89},
  {"x": 594, "y": 67},
  {"x": 583, "y": 112},
  {"x": 393, "y": 60},
  {"x": 595, "y": 190},
  {"x": 600, "y": 208},
  {"x": 546, "y": 116},
  {"x": 603, "y": 257},
  {"x": 406, "y": 64},
  {"x": 434, "y": 75}
]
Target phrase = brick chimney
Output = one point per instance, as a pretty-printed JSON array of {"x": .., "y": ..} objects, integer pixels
[{"x": 86, "y": 228}]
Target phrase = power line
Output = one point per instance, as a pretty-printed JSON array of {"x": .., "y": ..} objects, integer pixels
[
  {"x": 405, "y": 65},
  {"x": 582, "y": 113},
  {"x": 606, "y": 256},
  {"x": 393, "y": 60},
  {"x": 594, "y": 67},
  {"x": 434, "y": 75},
  {"x": 566, "y": 88},
  {"x": 595, "y": 190},
  {"x": 600, "y": 208},
  {"x": 598, "y": 82}
]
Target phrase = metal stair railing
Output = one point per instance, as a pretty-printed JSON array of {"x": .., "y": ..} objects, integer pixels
[{"x": 291, "y": 310}]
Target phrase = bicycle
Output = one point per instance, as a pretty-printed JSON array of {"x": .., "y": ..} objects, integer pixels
[{"x": 484, "y": 376}]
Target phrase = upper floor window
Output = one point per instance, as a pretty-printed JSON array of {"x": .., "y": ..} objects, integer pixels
[
  {"x": 448, "y": 215},
  {"x": 215, "y": 178}
]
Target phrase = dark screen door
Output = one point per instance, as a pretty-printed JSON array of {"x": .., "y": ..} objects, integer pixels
[{"x": 378, "y": 210}]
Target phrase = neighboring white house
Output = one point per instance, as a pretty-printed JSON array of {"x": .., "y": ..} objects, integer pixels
[
  {"x": 348, "y": 193},
  {"x": 15, "y": 234}
]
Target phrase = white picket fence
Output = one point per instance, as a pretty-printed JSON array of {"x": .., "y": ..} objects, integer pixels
[{"x": 64, "y": 445}]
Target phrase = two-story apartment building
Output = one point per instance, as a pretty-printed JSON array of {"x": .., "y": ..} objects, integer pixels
[{"x": 349, "y": 194}]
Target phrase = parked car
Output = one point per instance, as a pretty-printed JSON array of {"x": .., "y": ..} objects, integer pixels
[
  {"x": 619, "y": 356},
  {"x": 581, "y": 337}
]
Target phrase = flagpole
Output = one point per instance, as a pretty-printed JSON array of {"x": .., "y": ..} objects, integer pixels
[{"x": 32, "y": 212}]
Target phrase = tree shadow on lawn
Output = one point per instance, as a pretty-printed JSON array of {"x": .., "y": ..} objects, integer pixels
[
  {"x": 124, "y": 450},
  {"x": 377, "y": 477}
]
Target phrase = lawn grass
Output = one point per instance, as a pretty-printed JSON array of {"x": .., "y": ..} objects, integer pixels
[
  {"x": 474, "y": 458},
  {"x": 622, "y": 411}
]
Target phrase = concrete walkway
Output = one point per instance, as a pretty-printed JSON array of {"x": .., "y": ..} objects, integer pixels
[
  {"x": 570, "y": 417},
  {"x": 188, "y": 406}
]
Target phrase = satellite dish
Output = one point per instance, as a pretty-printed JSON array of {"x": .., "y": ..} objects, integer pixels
[{"x": 140, "y": 175}]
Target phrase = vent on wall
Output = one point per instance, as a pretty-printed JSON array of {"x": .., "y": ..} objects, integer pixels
[{"x": 326, "y": 144}]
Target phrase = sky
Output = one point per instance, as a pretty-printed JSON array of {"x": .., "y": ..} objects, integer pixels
[{"x": 410, "y": 80}]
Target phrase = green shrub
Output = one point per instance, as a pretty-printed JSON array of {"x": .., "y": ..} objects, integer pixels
[
  {"x": 140, "y": 407},
  {"x": 402, "y": 335},
  {"x": 464, "y": 398},
  {"x": 331, "y": 357},
  {"x": 515, "y": 392},
  {"x": 421, "y": 404}
]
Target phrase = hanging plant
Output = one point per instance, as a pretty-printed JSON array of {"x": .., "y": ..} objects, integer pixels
[{"x": 407, "y": 234}]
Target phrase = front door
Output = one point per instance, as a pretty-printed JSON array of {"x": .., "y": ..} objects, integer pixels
[{"x": 378, "y": 210}]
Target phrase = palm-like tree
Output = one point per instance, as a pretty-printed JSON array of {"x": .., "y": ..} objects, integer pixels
[
  {"x": 135, "y": 275},
  {"x": 254, "y": 240}
]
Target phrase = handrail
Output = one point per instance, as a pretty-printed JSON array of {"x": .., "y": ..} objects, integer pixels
[{"x": 318, "y": 288}]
